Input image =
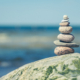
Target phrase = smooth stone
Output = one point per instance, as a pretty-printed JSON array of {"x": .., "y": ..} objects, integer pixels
[
  {"x": 65, "y": 17},
  {"x": 64, "y": 20},
  {"x": 65, "y": 37},
  {"x": 63, "y": 50},
  {"x": 66, "y": 29},
  {"x": 59, "y": 43},
  {"x": 64, "y": 24}
]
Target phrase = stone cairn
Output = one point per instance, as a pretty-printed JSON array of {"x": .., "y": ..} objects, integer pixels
[{"x": 65, "y": 38}]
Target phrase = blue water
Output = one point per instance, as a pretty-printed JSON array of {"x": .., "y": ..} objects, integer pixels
[{"x": 20, "y": 45}]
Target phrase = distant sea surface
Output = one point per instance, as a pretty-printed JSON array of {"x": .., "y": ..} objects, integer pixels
[{"x": 20, "y": 45}]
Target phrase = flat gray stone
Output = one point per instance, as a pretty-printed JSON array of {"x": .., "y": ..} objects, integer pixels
[
  {"x": 65, "y": 44},
  {"x": 65, "y": 21}
]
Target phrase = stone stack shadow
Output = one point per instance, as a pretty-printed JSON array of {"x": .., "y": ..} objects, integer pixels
[{"x": 65, "y": 39}]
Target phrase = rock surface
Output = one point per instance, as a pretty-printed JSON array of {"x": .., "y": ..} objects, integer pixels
[
  {"x": 64, "y": 24},
  {"x": 65, "y": 44},
  {"x": 64, "y": 67},
  {"x": 63, "y": 50},
  {"x": 65, "y": 37},
  {"x": 66, "y": 29}
]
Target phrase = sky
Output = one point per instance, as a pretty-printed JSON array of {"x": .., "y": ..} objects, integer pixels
[{"x": 38, "y": 12}]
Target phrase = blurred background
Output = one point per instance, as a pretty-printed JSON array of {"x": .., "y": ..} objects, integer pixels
[{"x": 29, "y": 27}]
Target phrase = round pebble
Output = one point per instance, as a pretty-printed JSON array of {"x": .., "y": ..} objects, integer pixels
[
  {"x": 66, "y": 29},
  {"x": 65, "y": 17},
  {"x": 63, "y": 50},
  {"x": 65, "y": 37}
]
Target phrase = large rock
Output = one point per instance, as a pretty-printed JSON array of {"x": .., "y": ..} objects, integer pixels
[
  {"x": 65, "y": 44},
  {"x": 64, "y": 67}
]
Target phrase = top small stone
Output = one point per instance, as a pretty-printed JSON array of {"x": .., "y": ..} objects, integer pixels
[{"x": 65, "y": 17}]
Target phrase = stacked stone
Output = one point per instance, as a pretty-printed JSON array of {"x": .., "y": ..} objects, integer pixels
[{"x": 65, "y": 38}]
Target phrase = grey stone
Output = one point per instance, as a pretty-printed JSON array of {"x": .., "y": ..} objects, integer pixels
[
  {"x": 65, "y": 37},
  {"x": 66, "y": 29},
  {"x": 64, "y": 20},
  {"x": 64, "y": 67},
  {"x": 65, "y": 44}
]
